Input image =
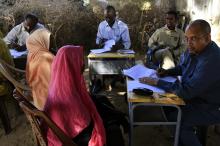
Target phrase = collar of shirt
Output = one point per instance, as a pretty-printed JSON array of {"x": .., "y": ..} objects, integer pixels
[
  {"x": 169, "y": 29},
  {"x": 22, "y": 26},
  {"x": 38, "y": 26},
  {"x": 115, "y": 25}
]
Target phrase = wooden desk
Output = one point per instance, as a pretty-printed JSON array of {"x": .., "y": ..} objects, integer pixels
[
  {"x": 170, "y": 100},
  {"x": 109, "y": 63}
]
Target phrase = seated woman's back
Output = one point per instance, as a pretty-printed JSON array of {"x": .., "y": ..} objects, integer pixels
[
  {"x": 38, "y": 67},
  {"x": 69, "y": 104}
]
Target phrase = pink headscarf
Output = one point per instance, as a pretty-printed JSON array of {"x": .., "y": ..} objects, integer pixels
[
  {"x": 38, "y": 66},
  {"x": 69, "y": 104}
]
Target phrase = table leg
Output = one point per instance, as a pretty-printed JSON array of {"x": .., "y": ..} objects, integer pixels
[
  {"x": 178, "y": 122},
  {"x": 131, "y": 123}
]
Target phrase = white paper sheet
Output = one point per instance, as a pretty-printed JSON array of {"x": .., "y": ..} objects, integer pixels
[
  {"x": 107, "y": 47},
  {"x": 126, "y": 51},
  {"x": 98, "y": 51},
  {"x": 136, "y": 84},
  {"x": 109, "y": 44},
  {"x": 139, "y": 71},
  {"x": 15, "y": 54}
]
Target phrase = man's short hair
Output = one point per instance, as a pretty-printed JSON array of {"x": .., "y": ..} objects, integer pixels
[
  {"x": 31, "y": 17},
  {"x": 109, "y": 7},
  {"x": 174, "y": 13},
  {"x": 202, "y": 24}
]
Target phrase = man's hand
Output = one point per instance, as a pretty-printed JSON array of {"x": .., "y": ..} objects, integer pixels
[
  {"x": 117, "y": 46},
  {"x": 161, "y": 72},
  {"x": 17, "y": 47},
  {"x": 14, "y": 45},
  {"x": 149, "y": 81},
  {"x": 102, "y": 43}
]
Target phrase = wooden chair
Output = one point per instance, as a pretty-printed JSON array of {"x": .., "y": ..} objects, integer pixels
[
  {"x": 17, "y": 78},
  {"x": 36, "y": 117},
  {"x": 14, "y": 75},
  {"x": 22, "y": 94},
  {"x": 3, "y": 110}
]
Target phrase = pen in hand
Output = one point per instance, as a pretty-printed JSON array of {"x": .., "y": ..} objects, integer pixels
[{"x": 161, "y": 72}]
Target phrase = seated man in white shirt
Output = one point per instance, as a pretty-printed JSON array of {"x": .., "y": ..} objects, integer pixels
[
  {"x": 113, "y": 29},
  {"x": 16, "y": 38}
]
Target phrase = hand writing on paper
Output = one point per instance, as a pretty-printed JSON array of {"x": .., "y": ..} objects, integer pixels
[
  {"x": 102, "y": 43},
  {"x": 117, "y": 47},
  {"x": 161, "y": 72},
  {"x": 149, "y": 81}
]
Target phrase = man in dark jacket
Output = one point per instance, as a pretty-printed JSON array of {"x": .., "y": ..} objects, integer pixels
[{"x": 200, "y": 84}]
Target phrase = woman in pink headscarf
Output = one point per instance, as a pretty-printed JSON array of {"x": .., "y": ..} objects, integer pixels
[
  {"x": 38, "y": 66},
  {"x": 69, "y": 104}
]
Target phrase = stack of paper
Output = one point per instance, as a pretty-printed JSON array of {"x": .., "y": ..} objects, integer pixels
[
  {"x": 139, "y": 71},
  {"x": 126, "y": 51},
  {"x": 107, "y": 47},
  {"x": 15, "y": 54}
]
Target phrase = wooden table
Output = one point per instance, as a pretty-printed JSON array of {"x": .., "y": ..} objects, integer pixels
[{"x": 170, "y": 100}]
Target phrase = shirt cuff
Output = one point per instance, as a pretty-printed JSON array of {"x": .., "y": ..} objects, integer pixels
[
  {"x": 167, "y": 86},
  {"x": 161, "y": 83}
]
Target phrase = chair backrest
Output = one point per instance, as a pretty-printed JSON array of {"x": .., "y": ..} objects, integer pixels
[
  {"x": 36, "y": 117},
  {"x": 15, "y": 76}
]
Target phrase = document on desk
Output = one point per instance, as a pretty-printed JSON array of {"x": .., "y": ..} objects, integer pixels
[
  {"x": 98, "y": 51},
  {"x": 107, "y": 47},
  {"x": 139, "y": 71},
  {"x": 136, "y": 84},
  {"x": 126, "y": 51},
  {"x": 16, "y": 53}
]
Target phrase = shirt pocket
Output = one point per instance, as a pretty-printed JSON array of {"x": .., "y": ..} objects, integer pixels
[{"x": 117, "y": 34}]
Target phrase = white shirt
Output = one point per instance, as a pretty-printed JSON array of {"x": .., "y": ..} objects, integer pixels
[
  {"x": 118, "y": 31},
  {"x": 19, "y": 35}
]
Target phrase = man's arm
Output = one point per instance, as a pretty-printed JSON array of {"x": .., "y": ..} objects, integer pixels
[
  {"x": 126, "y": 38},
  {"x": 99, "y": 37},
  {"x": 11, "y": 37},
  {"x": 17, "y": 47},
  {"x": 199, "y": 81},
  {"x": 152, "y": 42},
  {"x": 176, "y": 71},
  {"x": 181, "y": 46}
]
